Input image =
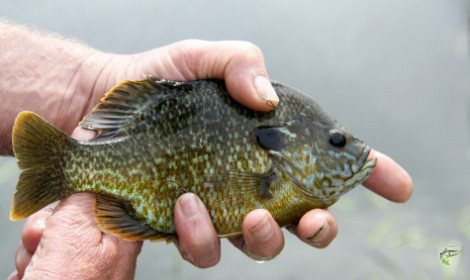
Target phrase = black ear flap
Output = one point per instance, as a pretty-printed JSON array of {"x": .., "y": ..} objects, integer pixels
[{"x": 270, "y": 137}]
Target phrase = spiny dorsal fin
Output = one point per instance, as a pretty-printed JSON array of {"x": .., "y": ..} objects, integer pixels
[
  {"x": 125, "y": 103},
  {"x": 113, "y": 216}
]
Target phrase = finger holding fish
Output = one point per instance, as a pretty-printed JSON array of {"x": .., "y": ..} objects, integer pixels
[
  {"x": 240, "y": 64},
  {"x": 388, "y": 179},
  {"x": 197, "y": 240},
  {"x": 316, "y": 228},
  {"x": 262, "y": 237}
]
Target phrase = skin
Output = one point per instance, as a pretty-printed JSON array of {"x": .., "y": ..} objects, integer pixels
[{"x": 62, "y": 80}]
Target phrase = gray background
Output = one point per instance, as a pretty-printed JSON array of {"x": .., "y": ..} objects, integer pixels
[{"x": 394, "y": 72}]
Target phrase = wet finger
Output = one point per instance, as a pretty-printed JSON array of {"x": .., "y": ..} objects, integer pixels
[
  {"x": 389, "y": 180},
  {"x": 316, "y": 228},
  {"x": 262, "y": 237},
  {"x": 197, "y": 239}
]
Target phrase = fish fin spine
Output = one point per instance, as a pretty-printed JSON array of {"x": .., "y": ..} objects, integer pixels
[
  {"x": 38, "y": 147},
  {"x": 125, "y": 103}
]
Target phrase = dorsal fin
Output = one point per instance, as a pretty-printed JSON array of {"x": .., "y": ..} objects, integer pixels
[{"x": 125, "y": 103}]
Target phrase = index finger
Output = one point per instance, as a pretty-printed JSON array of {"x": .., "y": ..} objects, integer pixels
[{"x": 389, "y": 179}]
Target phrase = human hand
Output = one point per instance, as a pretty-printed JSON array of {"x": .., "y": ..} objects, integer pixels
[
  {"x": 66, "y": 243},
  {"x": 239, "y": 64},
  {"x": 69, "y": 233}
]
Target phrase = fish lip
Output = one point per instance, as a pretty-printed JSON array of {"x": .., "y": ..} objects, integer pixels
[
  {"x": 368, "y": 162},
  {"x": 365, "y": 153},
  {"x": 367, "y": 165},
  {"x": 363, "y": 172}
]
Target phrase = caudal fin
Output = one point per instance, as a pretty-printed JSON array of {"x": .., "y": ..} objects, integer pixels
[{"x": 39, "y": 147}]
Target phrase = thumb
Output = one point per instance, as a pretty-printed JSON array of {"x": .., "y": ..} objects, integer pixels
[
  {"x": 240, "y": 64},
  {"x": 73, "y": 245}
]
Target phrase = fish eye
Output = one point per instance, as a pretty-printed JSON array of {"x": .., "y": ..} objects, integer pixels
[{"x": 337, "y": 139}]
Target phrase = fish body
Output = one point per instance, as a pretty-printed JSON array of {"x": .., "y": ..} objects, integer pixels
[{"x": 158, "y": 139}]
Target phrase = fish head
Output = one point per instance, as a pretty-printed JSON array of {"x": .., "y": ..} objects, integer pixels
[{"x": 319, "y": 156}]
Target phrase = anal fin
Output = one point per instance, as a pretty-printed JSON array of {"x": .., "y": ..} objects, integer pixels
[{"x": 114, "y": 216}]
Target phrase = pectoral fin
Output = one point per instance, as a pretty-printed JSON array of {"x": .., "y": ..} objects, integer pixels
[
  {"x": 244, "y": 184},
  {"x": 115, "y": 216}
]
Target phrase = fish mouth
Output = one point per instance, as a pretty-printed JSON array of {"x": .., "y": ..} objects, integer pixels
[{"x": 361, "y": 169}]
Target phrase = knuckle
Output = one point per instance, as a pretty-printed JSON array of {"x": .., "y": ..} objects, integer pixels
[
  {"x": 111, "y": 252},
  {"x": 248, "y": 50},
  {"x": 192, "y": 42},
  {"x": 249, "y": 47}
]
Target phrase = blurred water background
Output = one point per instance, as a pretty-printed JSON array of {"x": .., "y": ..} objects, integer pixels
[{"x": 396, "y": 73}]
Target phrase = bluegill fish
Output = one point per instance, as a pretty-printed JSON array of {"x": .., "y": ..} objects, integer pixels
[{"x": 158, "y": 139}]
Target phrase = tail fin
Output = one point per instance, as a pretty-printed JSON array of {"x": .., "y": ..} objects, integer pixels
[{"x": 39, "y": 147}]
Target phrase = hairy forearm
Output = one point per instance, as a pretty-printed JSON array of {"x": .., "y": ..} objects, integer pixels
[{"x": 42, "y": 73}]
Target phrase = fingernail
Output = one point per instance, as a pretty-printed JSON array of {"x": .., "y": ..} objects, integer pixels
[
  {"x": 189, "y": 204},
  {"x": 186, "y": 255},
  {"x": 265, "y": 89},
  {"x": 321, "y": 234},
  {"x": 263, "y": 230}
]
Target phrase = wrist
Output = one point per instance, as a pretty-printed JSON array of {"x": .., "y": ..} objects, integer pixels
[{"x": 40, "y": 73}]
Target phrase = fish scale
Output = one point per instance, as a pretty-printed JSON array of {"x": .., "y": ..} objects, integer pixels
[{"x": 158, "y": 139}]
